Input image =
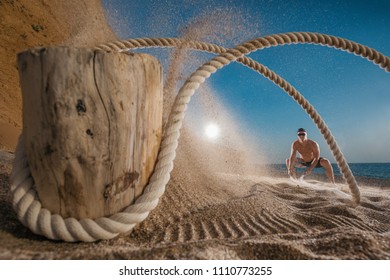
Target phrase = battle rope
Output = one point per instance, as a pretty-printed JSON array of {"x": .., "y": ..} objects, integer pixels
[{"x": 42, "y": 222}]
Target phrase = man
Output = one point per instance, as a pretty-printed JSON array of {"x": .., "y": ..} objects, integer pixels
[{"x": 309, "y": 157}]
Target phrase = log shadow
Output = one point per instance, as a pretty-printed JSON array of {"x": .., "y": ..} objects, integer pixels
[{"x": 9, "y": 220}]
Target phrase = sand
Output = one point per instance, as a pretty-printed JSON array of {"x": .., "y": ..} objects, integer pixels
[
  {"x": 228, "y": 216},
  {"x": 206, "y": 212}
]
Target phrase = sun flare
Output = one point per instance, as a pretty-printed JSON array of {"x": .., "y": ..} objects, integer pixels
[{"x": 212, "y": 131}]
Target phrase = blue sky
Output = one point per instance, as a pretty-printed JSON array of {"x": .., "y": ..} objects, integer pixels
[{"x": 351, "y": 94}]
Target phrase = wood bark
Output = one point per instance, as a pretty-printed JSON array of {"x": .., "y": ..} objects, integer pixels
[{"x": 92, "y": 124}]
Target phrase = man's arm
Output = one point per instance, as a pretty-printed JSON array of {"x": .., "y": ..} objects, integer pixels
[
  {"x": 293, "y": 157},
  {"x": 316, "y": 157}
]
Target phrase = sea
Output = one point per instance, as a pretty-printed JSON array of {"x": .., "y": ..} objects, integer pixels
[{"x": 368, "y": 170}]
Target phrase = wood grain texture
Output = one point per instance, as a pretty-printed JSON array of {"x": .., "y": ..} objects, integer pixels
[{"x": 91, "y": 126}]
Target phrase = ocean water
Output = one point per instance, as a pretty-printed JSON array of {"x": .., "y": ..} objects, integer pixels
[{"x": 369, "y": 170}]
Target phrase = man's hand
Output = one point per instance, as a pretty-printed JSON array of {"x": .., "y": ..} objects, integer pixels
[
  {"x": 292, "y": 173},
  {"x": 307, "y": 172}
]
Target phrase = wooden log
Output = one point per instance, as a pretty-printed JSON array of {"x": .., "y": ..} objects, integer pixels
[{"x": 92, "y": 125}]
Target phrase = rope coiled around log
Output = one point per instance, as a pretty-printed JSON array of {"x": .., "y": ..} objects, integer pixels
[{"x": 52, "y": 226}]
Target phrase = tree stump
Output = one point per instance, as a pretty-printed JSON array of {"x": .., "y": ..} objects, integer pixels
[{"x": 92, "y": 124}]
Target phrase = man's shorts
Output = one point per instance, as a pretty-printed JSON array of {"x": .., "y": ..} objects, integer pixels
[{"x": 300, "y": 163}]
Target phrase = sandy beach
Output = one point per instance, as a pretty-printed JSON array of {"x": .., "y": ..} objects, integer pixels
[
  {"x": 205, "y": 213},
  {"x": 228, "y": 216}
]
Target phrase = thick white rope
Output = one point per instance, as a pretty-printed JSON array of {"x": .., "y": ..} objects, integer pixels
[
  {"x": 42, "y": 222},
  {"x": 274, "y": 40}
]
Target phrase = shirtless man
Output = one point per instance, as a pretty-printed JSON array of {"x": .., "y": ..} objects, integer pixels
[{"x": 310, "y": 157}]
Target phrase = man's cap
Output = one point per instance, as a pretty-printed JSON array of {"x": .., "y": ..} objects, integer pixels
[{"x": 301, "y": 130}]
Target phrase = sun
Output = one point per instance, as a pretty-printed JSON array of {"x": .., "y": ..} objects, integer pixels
[{"x": 212, "y": 131}]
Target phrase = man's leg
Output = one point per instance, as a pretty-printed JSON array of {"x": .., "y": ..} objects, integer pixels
[
  {"x": 288, "y": 166},
  {"x": 325, "y": 163}
]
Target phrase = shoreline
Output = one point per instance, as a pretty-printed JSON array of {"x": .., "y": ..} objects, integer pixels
[
  {"x": 321, "y": 176},
  {"x": 7, "y": 157}
]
